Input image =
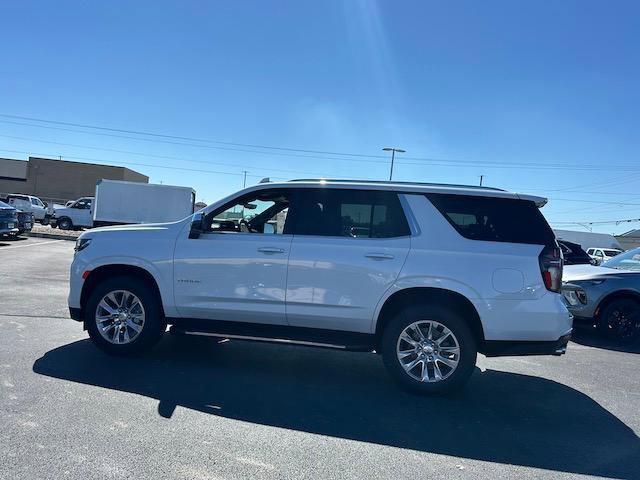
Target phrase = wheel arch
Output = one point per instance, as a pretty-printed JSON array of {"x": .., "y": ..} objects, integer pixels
[
  {"x": 118, "y": 269},
  {"x": 616, "y": 295},
  {"x": 430, "y": 295}
]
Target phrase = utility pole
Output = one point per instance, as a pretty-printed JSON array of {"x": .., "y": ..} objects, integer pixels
[
  {"x": 244, "y": 181},
  {"x": 393, "y": 157},
  {"x": 481, "y": 177}
]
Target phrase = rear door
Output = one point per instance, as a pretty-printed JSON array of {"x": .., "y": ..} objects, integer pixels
[{"x": 348, "y": 249}]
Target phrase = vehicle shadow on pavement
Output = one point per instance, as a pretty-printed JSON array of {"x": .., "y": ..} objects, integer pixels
[
  {"x": 501, "y": 417},
  {"x": 591, "y": 337}
]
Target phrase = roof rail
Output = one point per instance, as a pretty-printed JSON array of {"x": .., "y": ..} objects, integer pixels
[{"x": 393, "y": 182}]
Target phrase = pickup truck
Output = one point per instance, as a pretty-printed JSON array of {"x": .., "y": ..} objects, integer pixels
[
  {"x": 29, "y": 204},
  {"x": 8, "y": 219}
]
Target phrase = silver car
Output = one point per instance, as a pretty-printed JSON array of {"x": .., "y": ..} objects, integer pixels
[{"x": 607, "y": 296}]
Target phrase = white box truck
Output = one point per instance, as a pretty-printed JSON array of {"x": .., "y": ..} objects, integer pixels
[{"x": 117, "y": 202}]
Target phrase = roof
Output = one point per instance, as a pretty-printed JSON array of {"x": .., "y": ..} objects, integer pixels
[
  {"x": 408, "y": 187},
  {"x": 631, "y": 233}
]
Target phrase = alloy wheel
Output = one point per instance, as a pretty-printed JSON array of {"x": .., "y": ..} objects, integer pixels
[
  {"x": 120, "y": 317},
  {"x": 428, "y": 351}
]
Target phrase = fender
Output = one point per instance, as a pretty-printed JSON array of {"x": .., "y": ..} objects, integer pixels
[
  {"x": 163, "y": 280},
  {"x": 427, "y": 282}
]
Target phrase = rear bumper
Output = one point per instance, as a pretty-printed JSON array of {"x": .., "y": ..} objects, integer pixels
[{"x": 503, "y": 348}]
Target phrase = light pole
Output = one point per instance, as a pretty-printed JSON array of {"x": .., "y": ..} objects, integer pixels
[{"x": 393, "y": 157}]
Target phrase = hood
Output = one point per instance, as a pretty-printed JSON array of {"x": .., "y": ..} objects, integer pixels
[
  {"x": 134, "y": 228},
  {"x": 571, "y": 273},
  {"x": 6, "y": 206}
]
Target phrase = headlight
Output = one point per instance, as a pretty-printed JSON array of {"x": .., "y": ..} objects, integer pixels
[
  {"x": 575, "y": 296},
  {"x": 81, "y": 244}
]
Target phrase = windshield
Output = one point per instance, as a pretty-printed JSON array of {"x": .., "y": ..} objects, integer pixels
[{"x": 625, "y": 261}]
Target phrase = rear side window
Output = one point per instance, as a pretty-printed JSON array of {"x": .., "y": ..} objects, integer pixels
[
  {"x": 348, "y": 213},
  {"x": 494, "y": 219}
]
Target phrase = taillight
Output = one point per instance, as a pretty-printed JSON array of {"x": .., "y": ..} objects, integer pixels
[{"x": 551, "y": 268}]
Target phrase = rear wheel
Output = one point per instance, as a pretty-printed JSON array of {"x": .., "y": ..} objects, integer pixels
[
  {"x": 429, "y": 349},
  {"x": 620, "y": 320},
  {"x": 46, "y": 220},
  {"x": 123, "y": 316}
]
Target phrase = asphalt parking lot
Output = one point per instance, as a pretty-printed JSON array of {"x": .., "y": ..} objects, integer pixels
[{"x": 203, "y": 409}]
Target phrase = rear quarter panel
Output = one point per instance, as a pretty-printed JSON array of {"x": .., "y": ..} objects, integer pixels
[{"x": 502, "y": 280}]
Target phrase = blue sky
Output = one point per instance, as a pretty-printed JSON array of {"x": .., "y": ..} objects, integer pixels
[{"x": 540, "y": 97}]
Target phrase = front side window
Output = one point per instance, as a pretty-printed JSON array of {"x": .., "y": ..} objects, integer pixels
[
  {"x": 34, "y": 201},
  {"x": 348, "y": 213},
  {"x": 494, "y": 219},
  {"x": 263, "y": 212}
]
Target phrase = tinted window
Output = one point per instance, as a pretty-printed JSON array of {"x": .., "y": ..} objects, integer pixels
[
  {"x": 348, "y": 213},
  {"x": 494, "y": 219}
]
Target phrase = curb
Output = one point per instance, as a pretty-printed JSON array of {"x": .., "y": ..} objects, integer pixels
[{"x": 54, "y": 236}]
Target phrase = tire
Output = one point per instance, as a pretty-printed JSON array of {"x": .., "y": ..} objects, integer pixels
[
  {"x": 620, "y": 320},
  {"x": 65, "y": 223},
  {"x": 128, "y": 341},
  {"x": 46, "y": 220},
  {"x": 424, "y": 315}
]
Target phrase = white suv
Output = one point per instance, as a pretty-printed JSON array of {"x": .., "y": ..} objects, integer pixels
[{"x": 426, "y": 275}]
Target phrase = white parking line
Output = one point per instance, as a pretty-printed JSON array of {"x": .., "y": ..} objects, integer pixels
[{"x": 2, "y": 249}]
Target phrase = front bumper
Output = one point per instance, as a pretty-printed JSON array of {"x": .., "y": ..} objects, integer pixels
[{"x": 502, "y": 348}]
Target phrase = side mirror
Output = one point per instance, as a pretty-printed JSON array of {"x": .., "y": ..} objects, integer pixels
[{"x": 197, "y": 225}]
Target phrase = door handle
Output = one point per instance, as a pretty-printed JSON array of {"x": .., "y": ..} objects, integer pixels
[
  {"x": 379, "y": 256},
  {"x": 271, "y": 250}
]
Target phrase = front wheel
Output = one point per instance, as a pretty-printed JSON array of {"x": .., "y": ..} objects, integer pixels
[
  {"x": 620, "y": 320},
  {"x": 429, "y": 349},
  {"x": 65, "y": 223},
  {"x": 123, "y": 316},
  {"x": 46, "y": 220}
]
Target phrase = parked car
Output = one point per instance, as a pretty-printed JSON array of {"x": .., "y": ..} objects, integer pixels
[
  {"x": 8, "y": 219},
  {"x": 573, "y": 254},
  {"x": 607, "y": 296},
  {"x": 29, "y": 203},
  {"x": 427, "y": 275},
  {"x": 76, "y": 215},
  {"x": 600, "y": 255},
  {"x": 25, "y": 222}
]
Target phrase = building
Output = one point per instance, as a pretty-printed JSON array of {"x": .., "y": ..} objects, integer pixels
[
  {"x": 58, "y": 180},
  {"x": 630, "y": 239},
  {"x": 588, "y": 239}
]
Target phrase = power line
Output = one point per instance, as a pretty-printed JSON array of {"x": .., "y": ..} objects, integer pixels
[
  {"x": 167, "y": 157},
  {"x": 110, "y": 162},
  {"x": 192, "y": 139},
  {"x": 432, "y": 161},
  {"x": 605, "y": 222}
]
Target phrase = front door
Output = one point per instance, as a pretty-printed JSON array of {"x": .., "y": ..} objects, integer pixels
[
  {"x": 237, "y": 269},
  {"x": 348, "y": 249}
]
